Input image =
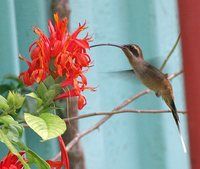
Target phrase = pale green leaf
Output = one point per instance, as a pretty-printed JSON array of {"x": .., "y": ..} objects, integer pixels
[
  {"x": 49, "y": 81},
  {"x": 47, "y": 125},
  {"x": 12, "y": 148},
  {"x": 15, "y": 100},
  {"x": 37, "y": 160},
  {"x": 41, "y": 90},
  {"x": 57, "y": 88},
  {"x": 49, "y": 96},
  {"x": 34, "y": 96},
  {"x": 11, "y": 128},
  {"x": 14, "y": 132},
  {"x": 33, "y": 158},
  {"x": 7, "y": 119},
  {"x": 3, "y": 103}
]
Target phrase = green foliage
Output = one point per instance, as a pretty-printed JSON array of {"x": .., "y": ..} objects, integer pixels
[
  {"x": 32, "y": 157},
  {"x": 39, "y": 101},
  {"x": 48, "y": 92},
  {"x": 3, "y": 104},
  {"x": 11, "y": 131},
  {"x": 15, "y": 101},
  {"x": 41, "y": 90},
  {"x": 40, "y": 118},
  {"x": 11, "y": 83},
  {"x": 36, "y": 160},
  {"x": 44, "y": 96},
  {"x": 11, "y": 128},
  {"x": 47, "y": 125},
  {"x": 5, "y": 88},
  {"x": 5, "y": 139}
]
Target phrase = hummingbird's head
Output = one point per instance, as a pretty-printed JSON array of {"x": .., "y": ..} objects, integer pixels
[{"x": 134, "y": 50}]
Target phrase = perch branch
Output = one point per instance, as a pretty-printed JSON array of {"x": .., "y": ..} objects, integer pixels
[
  {"x": 119, "y": 112},
  {"x": 104, "y": 119},
  {"x": 123, "y": 111}
]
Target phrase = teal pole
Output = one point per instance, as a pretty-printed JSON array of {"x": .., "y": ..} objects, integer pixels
[{"x": 8, "y": 39}]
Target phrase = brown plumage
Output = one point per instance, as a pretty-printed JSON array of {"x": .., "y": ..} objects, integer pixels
[
  {"x": 151, "y": 77},
  {"x": 154, "y": 79}
]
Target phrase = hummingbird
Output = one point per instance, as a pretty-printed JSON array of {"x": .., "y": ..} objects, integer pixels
[{"x": 151, "y": 77}]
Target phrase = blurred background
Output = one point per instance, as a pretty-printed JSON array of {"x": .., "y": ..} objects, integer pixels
[{"x": 125, "y": 141}]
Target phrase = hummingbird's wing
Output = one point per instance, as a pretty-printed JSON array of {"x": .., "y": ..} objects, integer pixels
[
  {"x": 131, "y": 71},
  {"x": 150, "y": 76},
  {"x": 155, "y": 61}
]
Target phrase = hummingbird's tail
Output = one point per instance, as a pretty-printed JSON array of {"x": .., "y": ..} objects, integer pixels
[
  {"x": 172, "y": 107},
  {"x": 174, "y": 113}
]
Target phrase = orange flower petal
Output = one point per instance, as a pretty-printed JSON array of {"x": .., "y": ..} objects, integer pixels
[{"x": 66, "y": 51}]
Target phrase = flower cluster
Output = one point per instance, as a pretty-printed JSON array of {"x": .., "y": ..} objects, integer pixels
[
  {"x": 11, "y": 161},
  {"x": 60, "y": 55}
]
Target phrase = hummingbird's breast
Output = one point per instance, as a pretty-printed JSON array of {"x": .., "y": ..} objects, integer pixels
[{"x": 151, "y": 77}]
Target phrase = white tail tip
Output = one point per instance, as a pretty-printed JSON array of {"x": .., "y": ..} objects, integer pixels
[{"x": 183, "y": 143}]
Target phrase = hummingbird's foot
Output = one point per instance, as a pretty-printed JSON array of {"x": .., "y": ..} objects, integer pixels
[
  {"x": 157, "y": 94},
  {"x": 166, "y": 75}
]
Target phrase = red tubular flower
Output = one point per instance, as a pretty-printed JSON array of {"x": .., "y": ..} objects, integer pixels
[
  {"x": 67, "y": 53},
  {"x": 11, "y": 162},
  {"x": 64, "y": 157}
]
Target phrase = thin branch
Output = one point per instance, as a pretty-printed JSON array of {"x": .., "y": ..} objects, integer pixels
[
  {"x": 119, "y": 112},
  {"x": 67, "y": 120},
  {"x": 170, "y": 53},
  {"x": 104, "y": 119}
]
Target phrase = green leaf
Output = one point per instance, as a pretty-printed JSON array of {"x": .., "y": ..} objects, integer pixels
[
  {"x": 4, "y": 88},
  {"x": 47, "y": 125},
  {"x": 14, "y": 132},
  {"x": 11, "y": 128},
  {"x": 49, "y": 81},
  {"x": 37, "y": 160},
  {"x": 57, "y": 88},
  {"x": 41, "y": 90},
  {"x": 34, "y": 96},
  {"x": 15, "y": 100},
  {"x": 14, "y": 78},
  {"x": 48, "y": 90},
  {"x": 3, "y": 103},
  {"x": 49, "y": 96},
  {"x": 52, "y": 92},
  {"x": 33, "y": 158},
  {"x": 12, "y": 148},
  {"x": 7, "y": 142},
  {"x": 7, "y": 119}
]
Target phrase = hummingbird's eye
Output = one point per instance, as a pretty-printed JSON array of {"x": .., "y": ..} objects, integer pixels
[{"x": 134, "y": 50}]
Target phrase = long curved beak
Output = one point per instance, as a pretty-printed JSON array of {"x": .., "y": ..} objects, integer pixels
[{"x": 107, "y": 44}]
